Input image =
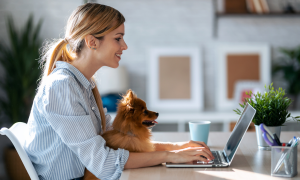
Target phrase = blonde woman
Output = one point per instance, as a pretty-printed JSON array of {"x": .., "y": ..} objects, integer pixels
[{"x": 67, "y": 114}]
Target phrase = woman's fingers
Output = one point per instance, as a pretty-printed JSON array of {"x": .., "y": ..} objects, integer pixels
[
  {"x": 197, "y": 151},
  {"x": 199, "y": 143},
  {"x": 204, "y": 153},
  {"x": 207, "y": 152},
  {"x": 191, "y": 154}
]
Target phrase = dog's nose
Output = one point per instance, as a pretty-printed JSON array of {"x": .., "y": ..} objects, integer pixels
[{"x": 156, "y": 114}]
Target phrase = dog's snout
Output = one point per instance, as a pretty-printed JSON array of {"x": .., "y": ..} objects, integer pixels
[{"x": 156, "y": 114}]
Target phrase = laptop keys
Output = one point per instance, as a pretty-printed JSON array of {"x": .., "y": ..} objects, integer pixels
[{"x": 217, "y": 158}]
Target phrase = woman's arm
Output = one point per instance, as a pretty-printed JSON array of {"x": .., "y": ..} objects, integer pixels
[
  {"x": 167, "y": 146},
  {"x": 137, "y": 160},
  {"x": 164, "y": 146}
]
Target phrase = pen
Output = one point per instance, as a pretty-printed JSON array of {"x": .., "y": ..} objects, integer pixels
[
  {"x": 277, "y": 139},
  {"x": 290, "y": 142}
]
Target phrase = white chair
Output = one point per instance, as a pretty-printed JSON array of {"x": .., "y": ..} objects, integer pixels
[{"x": 17, "y": 135}]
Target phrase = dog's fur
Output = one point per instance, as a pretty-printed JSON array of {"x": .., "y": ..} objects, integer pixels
[{"x": 130, "y": 127}]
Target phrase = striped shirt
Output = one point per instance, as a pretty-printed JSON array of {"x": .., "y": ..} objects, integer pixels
[{"x": 64, "y": 128}]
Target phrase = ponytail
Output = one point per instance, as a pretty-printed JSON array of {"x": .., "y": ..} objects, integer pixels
[{"x": 59, "y": 53}]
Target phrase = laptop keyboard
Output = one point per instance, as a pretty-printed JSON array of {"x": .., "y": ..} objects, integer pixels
[{"x": 217, "y": 159}]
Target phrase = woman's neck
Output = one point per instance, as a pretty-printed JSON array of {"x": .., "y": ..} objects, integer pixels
[{"x": 85, "y": 65}]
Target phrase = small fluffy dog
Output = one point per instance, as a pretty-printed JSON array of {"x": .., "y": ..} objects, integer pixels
[{"x": 131, "y": 127}]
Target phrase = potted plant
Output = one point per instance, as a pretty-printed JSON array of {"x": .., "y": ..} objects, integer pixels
[
  {"x": 19, "y": 83},
  {"x": 271, "y": 109},
  {"x": 289, "y": 64}
]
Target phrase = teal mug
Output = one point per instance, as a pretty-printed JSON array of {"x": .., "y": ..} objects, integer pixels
[{"x": 199, "y": 130}]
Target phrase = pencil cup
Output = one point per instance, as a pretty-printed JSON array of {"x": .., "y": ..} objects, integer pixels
[
  {"x": 199, "y": 130},
  {"x": 284, "y": 161}
]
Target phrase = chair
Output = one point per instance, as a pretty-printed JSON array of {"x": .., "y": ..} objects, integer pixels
[{"x": 17, "y": 135}]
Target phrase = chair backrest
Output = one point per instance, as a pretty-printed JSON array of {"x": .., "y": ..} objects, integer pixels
[{"x": 17, "y": 135}]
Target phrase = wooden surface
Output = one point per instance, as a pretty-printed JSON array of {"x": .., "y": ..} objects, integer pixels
[{"x": 248, "y": 163}]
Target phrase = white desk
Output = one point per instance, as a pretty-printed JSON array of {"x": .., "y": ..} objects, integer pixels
[
  {"x": 249, "y": 163},
  {"x": 225, "y": 117}
]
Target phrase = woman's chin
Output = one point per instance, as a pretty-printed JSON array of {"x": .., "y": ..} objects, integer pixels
[{"x": 114, "y": 65}]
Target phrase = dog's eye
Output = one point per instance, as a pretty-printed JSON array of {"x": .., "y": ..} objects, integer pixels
[{"x": 145, "y": 112}]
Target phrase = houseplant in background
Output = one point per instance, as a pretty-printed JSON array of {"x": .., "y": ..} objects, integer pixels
[
  {"x": 271, "y": 109},
  {"x": 21, "y": 72},
  {"x": 289, "y": 64}
]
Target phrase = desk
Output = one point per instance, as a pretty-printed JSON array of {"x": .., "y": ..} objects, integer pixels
[
  {"x": 225, "y": 117},
  {"x": 248, "y": 163}
]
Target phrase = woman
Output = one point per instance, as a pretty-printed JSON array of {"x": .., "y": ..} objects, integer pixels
[{"x": 67, "y": 114}]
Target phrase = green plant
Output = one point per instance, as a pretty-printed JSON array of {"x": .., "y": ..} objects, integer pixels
[
  {"x": 289, "y": 64},
  {"x": 21, "y": 69},
  {"x": 271, "y": 107}
]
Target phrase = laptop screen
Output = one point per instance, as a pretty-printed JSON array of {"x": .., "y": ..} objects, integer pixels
[{"x": 238, "y": 132}]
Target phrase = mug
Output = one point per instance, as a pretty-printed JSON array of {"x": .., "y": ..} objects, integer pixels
[{"x": 199, "y": 130}]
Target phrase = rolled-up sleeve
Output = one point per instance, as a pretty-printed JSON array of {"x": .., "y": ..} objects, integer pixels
[{"x": 64, "y": 109}]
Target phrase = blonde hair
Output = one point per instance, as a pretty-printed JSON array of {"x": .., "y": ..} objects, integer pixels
[{"x": 88, "y": 19}]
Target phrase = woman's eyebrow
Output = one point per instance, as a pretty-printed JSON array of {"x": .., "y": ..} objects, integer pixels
[{"x": 120, "y": 33}]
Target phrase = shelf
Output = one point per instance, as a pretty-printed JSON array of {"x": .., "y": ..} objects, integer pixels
[
  {"x": 218, "y": 15},
  {"x": 275, "y": 15}
]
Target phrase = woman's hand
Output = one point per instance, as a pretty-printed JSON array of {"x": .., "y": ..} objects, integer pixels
[
  {"x": 190, "y": 154},
  {"x": 182, "y": 145}
]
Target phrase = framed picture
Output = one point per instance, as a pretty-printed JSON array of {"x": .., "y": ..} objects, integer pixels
[
  {"x": 241, "y": 87},
  {"x": 240, "y": 62},
  {"x": 175, "y": 79}
]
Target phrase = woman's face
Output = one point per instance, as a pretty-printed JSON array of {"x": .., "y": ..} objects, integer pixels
[{"x": 110, "y": 48}]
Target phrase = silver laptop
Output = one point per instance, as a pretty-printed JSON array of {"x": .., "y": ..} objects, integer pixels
[{"x": 225, "y": 157}]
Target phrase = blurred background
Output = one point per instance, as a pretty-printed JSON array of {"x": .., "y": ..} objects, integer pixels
[{"x": 204, "y": 24}]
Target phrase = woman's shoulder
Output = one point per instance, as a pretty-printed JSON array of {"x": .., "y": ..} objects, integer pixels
[{"x": 60, "y": 79}]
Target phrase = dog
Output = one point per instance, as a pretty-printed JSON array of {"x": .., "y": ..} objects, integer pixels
[{"x": 131, "y": 127}]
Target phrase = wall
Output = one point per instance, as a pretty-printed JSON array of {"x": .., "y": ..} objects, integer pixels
[{"x": 164, "y": 23}]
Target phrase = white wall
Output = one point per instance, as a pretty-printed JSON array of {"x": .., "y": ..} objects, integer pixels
[{"x": 163, "y": 23}]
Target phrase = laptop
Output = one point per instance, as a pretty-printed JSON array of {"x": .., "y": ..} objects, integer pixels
[{"x": 225, "y": 157}]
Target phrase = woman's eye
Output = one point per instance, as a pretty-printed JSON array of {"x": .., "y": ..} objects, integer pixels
[{"x": 118, "y": 39}]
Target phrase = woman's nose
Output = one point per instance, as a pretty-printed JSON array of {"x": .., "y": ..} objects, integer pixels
[{"x": 124, "y": 46}]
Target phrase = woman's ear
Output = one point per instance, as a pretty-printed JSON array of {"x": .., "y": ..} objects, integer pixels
[{"x": 90, "y": 41}]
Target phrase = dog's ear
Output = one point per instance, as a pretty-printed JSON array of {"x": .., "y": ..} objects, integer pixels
[
  {"x": 129, "y": 94},
  {"x": 129, "y": 108},
  {"x": 129, "y": 97}
]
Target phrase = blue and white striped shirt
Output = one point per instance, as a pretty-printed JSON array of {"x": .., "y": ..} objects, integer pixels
[{"x": 64, "y": 128}]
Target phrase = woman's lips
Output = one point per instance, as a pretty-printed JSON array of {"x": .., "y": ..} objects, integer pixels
[{"x": 118, "y": 55}]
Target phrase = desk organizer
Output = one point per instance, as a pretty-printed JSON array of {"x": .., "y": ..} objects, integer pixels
[{"x": 284, "y": 161}]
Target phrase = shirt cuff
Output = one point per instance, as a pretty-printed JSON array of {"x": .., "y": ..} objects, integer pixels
[
  {"x": 123, "y": 158},
  {"x": 120, "y": 163}
]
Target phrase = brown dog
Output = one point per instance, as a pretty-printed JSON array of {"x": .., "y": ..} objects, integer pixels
[{"x": 130, "y": 127}]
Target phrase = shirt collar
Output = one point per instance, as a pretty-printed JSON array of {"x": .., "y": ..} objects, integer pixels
[{"x": 80, "y": 77}]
